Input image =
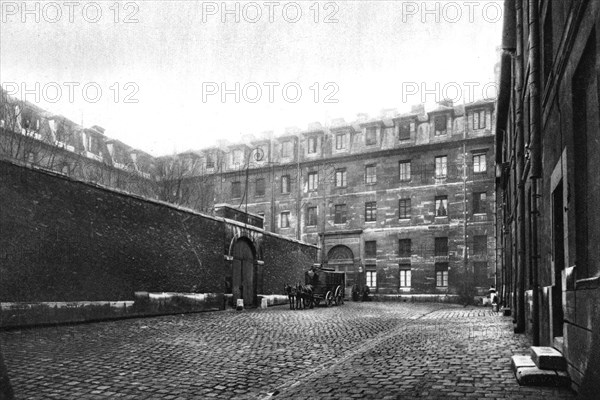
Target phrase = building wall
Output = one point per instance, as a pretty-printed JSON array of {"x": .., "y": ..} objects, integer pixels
[
  {"x": 67, "y": 241},
  {"x": 551, "y": 253},
  {"x": 459, "y": 144}
]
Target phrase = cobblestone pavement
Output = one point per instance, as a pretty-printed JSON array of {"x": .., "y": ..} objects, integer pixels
[{"x": 358, "y": 350}]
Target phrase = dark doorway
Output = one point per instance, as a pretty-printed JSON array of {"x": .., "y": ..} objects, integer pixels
[
  {"x": 558, "y": 235},
  {"x": 243, "y": 282}
]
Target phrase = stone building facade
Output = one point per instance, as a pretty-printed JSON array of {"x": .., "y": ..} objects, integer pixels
[
  {"x": 404, "y": 204},
  {"x": 548, "y": 158}
]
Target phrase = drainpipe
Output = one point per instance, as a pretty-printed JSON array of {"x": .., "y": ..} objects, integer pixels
[
  {"x": 536, "y": 155},
  {"x": 520, "y": 158}
]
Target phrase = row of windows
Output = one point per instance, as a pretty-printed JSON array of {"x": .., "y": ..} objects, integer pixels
[
  {"x": 404, "y": 209},
  {"x": 441, "y": 275},
  {"x": 405, "y": 249},
  {"x": 341, "y": 175},
  {"x": 341, "y": 139}
]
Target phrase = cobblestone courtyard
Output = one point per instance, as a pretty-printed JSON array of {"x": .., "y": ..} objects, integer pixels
[{"x": 358, "y": 350}]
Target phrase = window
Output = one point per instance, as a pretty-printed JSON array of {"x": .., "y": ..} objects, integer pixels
[
  {"x": 441, "y": 206},
  {"x": 405, "y": 275},
  {"x": 313, "y": 181},
  {"x": 311, "y": 216},
  {"x": 371, "y": 276},
  {"x": 237, "y": 157},
  {"x": 371, "y": 249},
  {"x": 370, "y": 211},
  {"x": 92, "y": 145},
  {"x": 479, "y": 120},
  {"x": 371, "y": 136},
  {"x": 285, "y": 184},
  {"x": 404, "y": 209},
  {"x": 340, "y": 177},
  {"x": 285, "y": 220},
  {"x": 371, "y": 174},
  {"x": 480, "y": 245},
  {"x": 479, "y": 163},
  {"x": 404, "y": 170},
  {"x": 441, "y": 125},
  {"x": 260, "y": 187},
  {"x": 441, "y": 166},
  {"x": 405, "y": 127},
  {"x": 286, "y": 149},
  {"x": 312, "y": 145},
  {"x": 441, "y": 275},
  {"x": 210, "y": 162},
  {"x": 340, "y": 141},
  {"x": 340, "y": 214},
  {"x": 441, "y": 247},
  {"x": 405, "y": 248},
  {"x": 236, "y": 190},
  {"x": 479, "y": 200}
]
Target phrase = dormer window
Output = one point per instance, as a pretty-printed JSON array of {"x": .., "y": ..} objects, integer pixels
[
  {"x": 312, "y": 145},
  {"x": 371, "y": 136},
  {"x": 405, "y": 129},
  {"x": 340, "y": 141},
  {"x": 286, "y": 149},
  {"x": 479, "y": 120},
  {"x": 237, "y": 157},
  {"x": 210, "y": 162},
  {"x": 441, "y": 125},
  {"x": 92, "y": 144}
]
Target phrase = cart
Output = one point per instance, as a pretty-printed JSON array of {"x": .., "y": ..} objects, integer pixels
[{"x": 327, "y": 285}]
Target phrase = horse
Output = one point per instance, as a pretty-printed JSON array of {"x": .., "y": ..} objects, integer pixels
[
  {"x": 292, "y": 295},
  {"x": 304, "y": 296}
]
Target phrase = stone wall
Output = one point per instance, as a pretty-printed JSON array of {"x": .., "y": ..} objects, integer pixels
[{"x": 68, "y": 241}]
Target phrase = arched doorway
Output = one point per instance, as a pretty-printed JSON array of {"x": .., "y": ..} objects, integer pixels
[
  {"x": 341, "y": 258},
  {"x": 243, "y": 277}
]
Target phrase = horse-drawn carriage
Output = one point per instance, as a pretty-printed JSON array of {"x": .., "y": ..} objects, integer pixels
[
  {"x": 327, "y": 285},
  {"x": 320, "y": 284}
]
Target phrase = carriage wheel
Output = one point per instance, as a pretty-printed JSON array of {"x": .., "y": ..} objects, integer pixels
[{"x": 328, "y": 298}]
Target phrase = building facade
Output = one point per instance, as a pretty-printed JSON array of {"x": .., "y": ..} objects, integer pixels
[
  {"x": 404, "y": 204},
  {"x": 548, "y": 158}
]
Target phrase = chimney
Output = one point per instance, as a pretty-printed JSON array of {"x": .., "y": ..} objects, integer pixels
[
  {"x": 315, "y": 126},
  {"x": 362, "y": 117},
  {"x": 446, "y": 103},
  {"x": 418, "y": 109}
]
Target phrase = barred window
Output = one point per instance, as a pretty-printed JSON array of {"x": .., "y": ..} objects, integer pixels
[
  {"x": 404, "y": 170},
  {"x": 285, "y": 184},
  {"x": 236, "y": 190},
  {"x": 479, "y": 200},
  {"x": 340, "y": 214},
  {"x": 371, "y": 174},
  {"x": 404, "y": 209},
  {"x": 479, "y": 163},
  {"x": 371, "y": 211},
  {"x": 340, "y": 178},
  {"x": 441, "y": 206},
  {"x": 313, "y": 181},
  {"x": 441, "y": 275},
  {"x": 405, "y": 276},
  {"x": 285, "y": 219},
  {"x": 441, "y": 166},
  {"x": 405, "y": 248},
  {"x": 260, "y": 187},
  {"x": 311, "y": 216},
  {"x": 441, "y": 246}
]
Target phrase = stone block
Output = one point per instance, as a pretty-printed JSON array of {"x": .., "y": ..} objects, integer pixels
[
  {"x": 533, "y": 376},
  {"x": 521, "y": 361},
  {"x": 547, "y": 358}
]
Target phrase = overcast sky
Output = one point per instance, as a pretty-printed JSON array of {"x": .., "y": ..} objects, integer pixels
[{"x": 347, "y": 57}]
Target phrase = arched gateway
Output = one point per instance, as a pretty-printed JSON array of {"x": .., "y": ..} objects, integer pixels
[{"x": 243, "y": 274}]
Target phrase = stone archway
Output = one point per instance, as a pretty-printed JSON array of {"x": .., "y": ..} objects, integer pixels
[
  {"x": 341, "y": 258},
  {"x": 243, "y": 274}
]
